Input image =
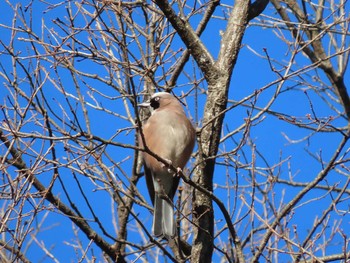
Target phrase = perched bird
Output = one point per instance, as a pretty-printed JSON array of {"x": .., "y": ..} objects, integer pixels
[{"x": 170, "y": 135}]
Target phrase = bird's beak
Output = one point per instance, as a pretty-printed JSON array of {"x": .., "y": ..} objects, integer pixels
[{"x": 144, "y": 104}]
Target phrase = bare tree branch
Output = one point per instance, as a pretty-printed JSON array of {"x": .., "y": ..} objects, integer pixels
[{"x": 195, "y": 46}]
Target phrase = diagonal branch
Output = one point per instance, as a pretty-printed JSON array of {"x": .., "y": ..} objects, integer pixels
[
  {"x": 47, "y": 194},
  {"x": 19, "y": 255},
  {"x": 200, "y": 29},
  {"x": 192, "y": 41},
  {"x": 232, "y": 38}
]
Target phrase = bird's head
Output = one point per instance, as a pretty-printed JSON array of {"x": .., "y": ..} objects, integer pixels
[{"x": 161, "y": 100}]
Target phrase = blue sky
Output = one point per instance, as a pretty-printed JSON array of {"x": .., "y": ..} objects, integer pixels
[{"x": 268, "y": 136}]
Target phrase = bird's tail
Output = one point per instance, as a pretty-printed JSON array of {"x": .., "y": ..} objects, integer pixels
[{"x": 163, "y": 218}]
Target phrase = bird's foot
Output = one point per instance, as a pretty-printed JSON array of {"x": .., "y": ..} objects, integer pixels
[
  {"x": 169, "y": 163},
  {"x": 178, "y": 172},
  {"x": 162, "y": 195}
]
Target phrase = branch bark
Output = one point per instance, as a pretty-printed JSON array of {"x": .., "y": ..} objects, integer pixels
[
  {"x": 192, "y": 41},
  {"x": 209, "y": 135}
]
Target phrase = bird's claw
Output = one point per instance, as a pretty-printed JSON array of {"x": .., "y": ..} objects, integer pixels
[
  {"x": 169, "y": 163},
  {"x": 178, "y": 172}
]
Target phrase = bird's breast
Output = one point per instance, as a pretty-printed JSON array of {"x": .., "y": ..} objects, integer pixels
[{"x": 170, "y": 136}]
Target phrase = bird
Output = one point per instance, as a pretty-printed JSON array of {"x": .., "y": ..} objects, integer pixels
[{"x": 169, "y": 134}]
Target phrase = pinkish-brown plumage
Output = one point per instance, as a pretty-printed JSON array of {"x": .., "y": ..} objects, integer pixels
[{"x": 169, "y": 134}]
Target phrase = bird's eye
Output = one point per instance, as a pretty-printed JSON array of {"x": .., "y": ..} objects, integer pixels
[{"x": 155, "y": 103}]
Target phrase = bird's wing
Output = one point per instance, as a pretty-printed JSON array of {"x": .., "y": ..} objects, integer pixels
[{"x": 149, "y": 183}]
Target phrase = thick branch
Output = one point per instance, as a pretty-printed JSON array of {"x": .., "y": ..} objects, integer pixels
[
  {"x": 209, "y": 138},
  {"x": 200, "y": 29},
  {"x": 232, "y": 38},
  {"x": 192, "y": 41}
]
